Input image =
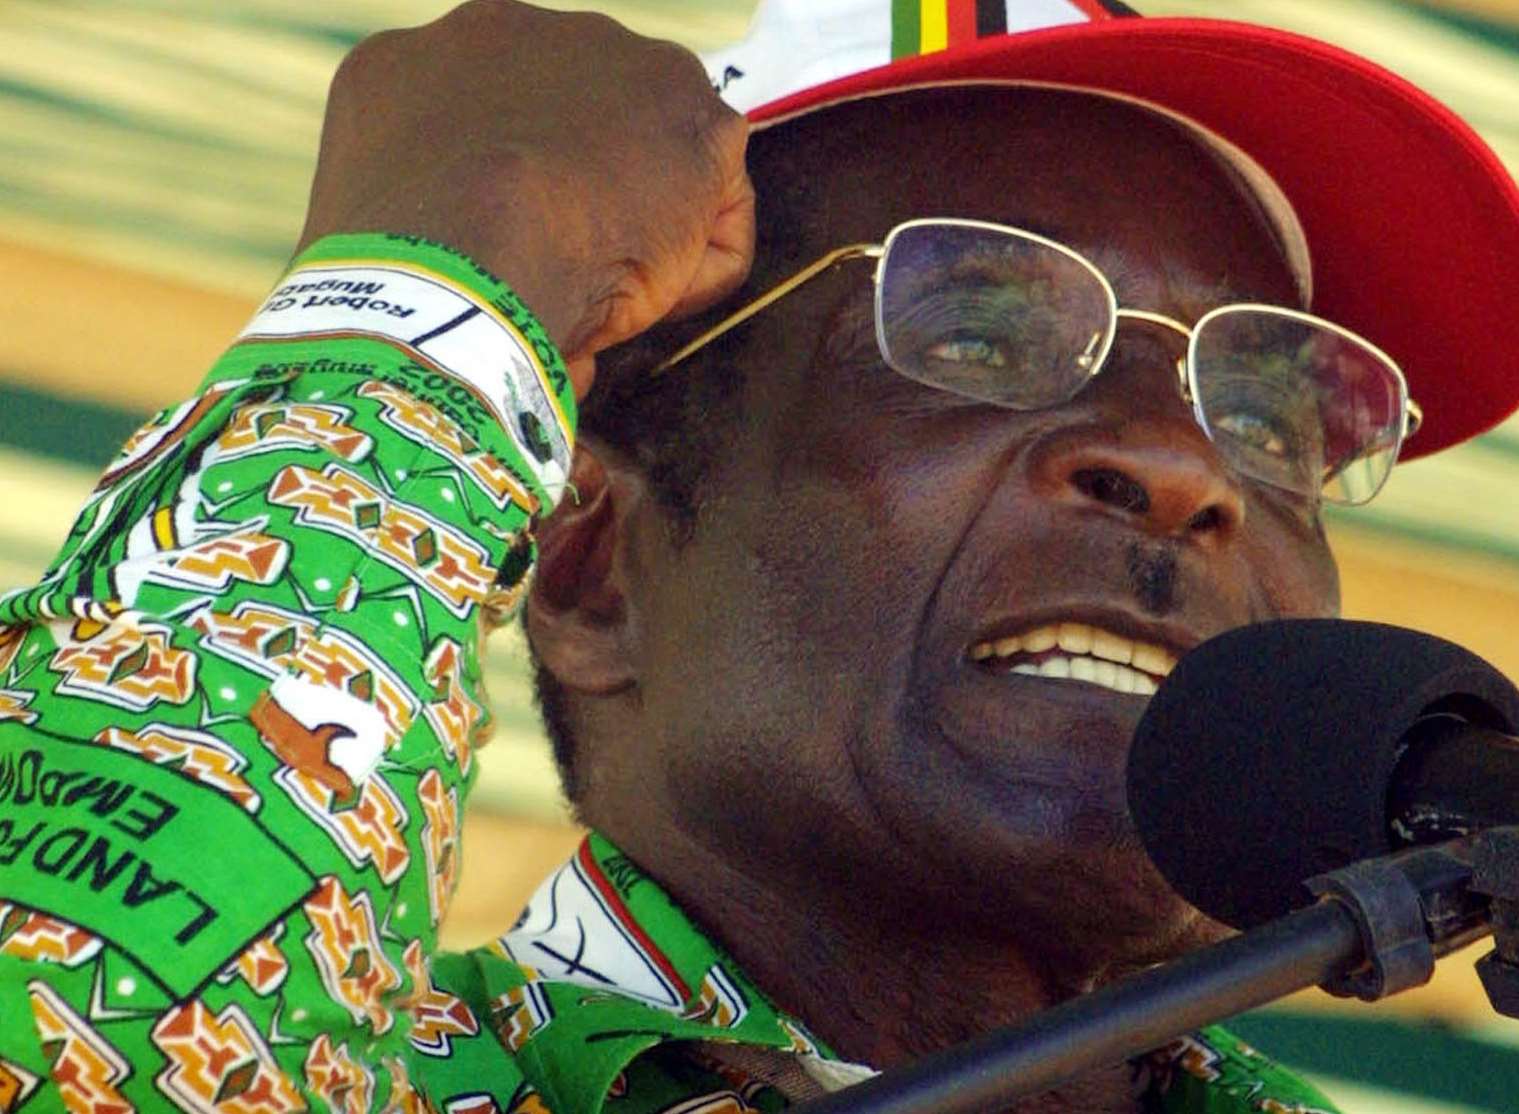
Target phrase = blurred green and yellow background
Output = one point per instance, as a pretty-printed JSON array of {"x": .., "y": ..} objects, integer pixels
[{"x": 154, "y": 161}]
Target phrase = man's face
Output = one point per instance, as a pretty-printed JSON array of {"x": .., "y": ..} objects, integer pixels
[{"x": 810, "y": 709}]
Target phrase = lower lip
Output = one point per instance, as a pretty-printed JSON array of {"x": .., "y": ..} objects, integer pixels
[
  {"x": 1050, "y": 731},
  {"x": 1012, "y": 691}
]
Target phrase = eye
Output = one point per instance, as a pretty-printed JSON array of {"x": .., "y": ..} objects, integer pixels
[
  {"x": 1256, "y": 433},
  {"x": 968, "y": 350}
]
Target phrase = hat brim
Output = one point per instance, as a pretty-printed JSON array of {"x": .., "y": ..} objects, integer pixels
[{"x": 1411, "y": 219}]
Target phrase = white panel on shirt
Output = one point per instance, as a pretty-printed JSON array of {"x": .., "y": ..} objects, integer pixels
[
  {"x": 447, "y": 326},
  {"x": 570, "y": 933}
]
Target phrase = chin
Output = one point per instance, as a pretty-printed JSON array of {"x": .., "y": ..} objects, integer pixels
[
  {"x": 1114, "y": 914},
  {"x": 1036, "y": 852}
]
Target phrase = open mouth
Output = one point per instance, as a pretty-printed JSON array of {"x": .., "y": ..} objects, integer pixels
[{"x": 1078, "y": 652}]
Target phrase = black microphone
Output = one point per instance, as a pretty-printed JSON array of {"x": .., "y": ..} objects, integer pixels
[{"x": 1283, "y": 750}]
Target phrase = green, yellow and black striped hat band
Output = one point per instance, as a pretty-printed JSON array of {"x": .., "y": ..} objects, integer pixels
[
  {"x": 794, "y": 45},
  {"x": 923, "y": 26}
]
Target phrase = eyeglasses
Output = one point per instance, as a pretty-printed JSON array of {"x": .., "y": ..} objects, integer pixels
[{"x": 1014, "y": 319}]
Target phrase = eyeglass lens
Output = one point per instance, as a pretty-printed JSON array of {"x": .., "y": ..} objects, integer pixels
[
  {"x": 1297, "y": 404},
  {"x": 1008, "y": 318},
  {"x": 1001, "y": 318}
]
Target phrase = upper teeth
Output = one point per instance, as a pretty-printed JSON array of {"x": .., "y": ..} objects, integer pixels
[{"x": 1092, "y": 654}]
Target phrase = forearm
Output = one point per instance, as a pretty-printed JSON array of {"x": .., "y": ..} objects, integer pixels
[{"x": 266, "y": 627}]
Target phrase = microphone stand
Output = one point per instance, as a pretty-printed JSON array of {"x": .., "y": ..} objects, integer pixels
[{"x": 1376, "y": 929}]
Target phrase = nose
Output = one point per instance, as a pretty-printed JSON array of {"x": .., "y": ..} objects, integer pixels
[
  {"x": 1132, "y": 448},
  {"x": 1163, "y": 489}
]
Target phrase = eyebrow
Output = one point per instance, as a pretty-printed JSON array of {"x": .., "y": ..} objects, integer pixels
[{"x": 1195, "y": 295}]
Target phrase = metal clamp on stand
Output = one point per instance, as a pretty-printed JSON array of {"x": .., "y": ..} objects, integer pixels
[
  {"x": 1378, "y": 927},
  {"x": 1410, "y": 909},
  {"x": 1495, "y": 872}
]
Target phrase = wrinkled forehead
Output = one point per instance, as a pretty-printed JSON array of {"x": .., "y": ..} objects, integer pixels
[{"x": 933, "y": 140}]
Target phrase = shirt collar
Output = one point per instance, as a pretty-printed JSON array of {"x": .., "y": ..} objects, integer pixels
[
  {"x": 602, "y": 938},
  {"x": 602, "y": 966}
]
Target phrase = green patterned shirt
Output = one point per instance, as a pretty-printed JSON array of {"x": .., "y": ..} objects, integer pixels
[{"x": 238, "y": 717}]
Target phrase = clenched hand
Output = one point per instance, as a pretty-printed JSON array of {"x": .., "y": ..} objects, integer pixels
[{"x": 593, "y": 169}]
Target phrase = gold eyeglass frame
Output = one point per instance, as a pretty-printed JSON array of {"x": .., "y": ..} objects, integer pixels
[{"x": 1413, "y": 414}]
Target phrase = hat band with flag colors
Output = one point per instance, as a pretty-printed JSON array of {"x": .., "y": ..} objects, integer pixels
[
  {"x": 1410, "y": 220},
  {"x": 924, "y": 26}
]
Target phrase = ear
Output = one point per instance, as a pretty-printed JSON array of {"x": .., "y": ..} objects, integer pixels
[{"x": 577, "y": 609}]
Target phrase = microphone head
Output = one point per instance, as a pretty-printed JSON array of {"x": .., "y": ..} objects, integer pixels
[{"x": 1267, "y": 755}]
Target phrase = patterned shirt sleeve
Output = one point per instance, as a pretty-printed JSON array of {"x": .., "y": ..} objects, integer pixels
[{"x": 238, "y": 713}]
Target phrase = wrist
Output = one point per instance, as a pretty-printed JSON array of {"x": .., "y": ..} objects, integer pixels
[{"x": 472, "y": 348}]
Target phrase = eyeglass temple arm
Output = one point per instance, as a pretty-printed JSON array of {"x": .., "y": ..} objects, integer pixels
[
  {"x": 1415, "y": 418},
  {"x": 770, "y": 297}
]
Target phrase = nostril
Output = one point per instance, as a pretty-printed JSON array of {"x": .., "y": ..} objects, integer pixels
[
  {"x": 1112, "y": 488},
  {"x": 1207, "y": 520}
]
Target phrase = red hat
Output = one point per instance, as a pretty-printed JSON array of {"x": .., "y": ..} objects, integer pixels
[{"x": 1411, "y": 221}]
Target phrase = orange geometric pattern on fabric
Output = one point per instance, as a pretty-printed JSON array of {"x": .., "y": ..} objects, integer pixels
[
  {"x": 214, "y": 564},
  {"x": 436, "y": 1015},
  {"x": 453, "y": 715},
  {"x": 259, "y": 636},
  {"x": 13, "y": 705},
  {"x": 718, "y": 1001},
  {"x": 132, "y": 667},
  {"x": 531, "y": 1103},
  {"x": 801, "y": 1041},
  {"x": 440, "y": 841},
  {"x": 139, "y": 437},
  {"x": 16, "y": 1086},
  {"x": 219, "y": 1062},
  {"x": 85, "y": 1066},
  {"x": 519, "y": 1013},
  {"x": 405, "y": 1096},
  {"x": 426, "y": 425},
  {"x": 345, "y": 1085},
  {"x": 335, "y": 660},
  {"x": 27, "y": 934},
  {"x": 271, "y": 641},
  {"x": 368, "y": 830},
  {"x": 262, "y": 965},
  {"x": 195, "y": 754},
  {"x": 443, "y": 562},
  {"x": 10, "y": 645},
  {"x": 268, "y": 426},
  {"x": 1195, "y": 1058},
  {"x": 345, "y": 944}
]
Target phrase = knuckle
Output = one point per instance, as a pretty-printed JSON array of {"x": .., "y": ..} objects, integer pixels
[
  {"x": 727, "y": 125},
  {"x": 360, "y": 62},
  {"x": 682, "y": 70},
  {"x": 488, "y": 20},
  {"x": 724, "y": 134},
  {"x": 596, "y": 23},
  {"x": 490, "y": 9},
  {"x": 590, "y": 32}
]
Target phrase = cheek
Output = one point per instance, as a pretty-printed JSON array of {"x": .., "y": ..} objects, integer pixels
[
  {"x": 1291, "y": 566},
  {"x": 869, "y": 520},
  {"x": 819, "y": 565}
]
